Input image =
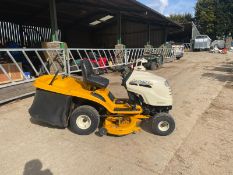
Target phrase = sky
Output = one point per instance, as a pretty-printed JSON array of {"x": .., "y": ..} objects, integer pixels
[{"x": 168, "y": 7}]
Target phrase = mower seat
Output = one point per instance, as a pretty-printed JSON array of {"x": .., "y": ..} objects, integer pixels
[{"x": 89, "y": 76}]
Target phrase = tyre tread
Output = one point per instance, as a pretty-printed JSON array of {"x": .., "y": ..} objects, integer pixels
[
  {"x": 159, "y": 117},
  {"x": 83, "y": 109}
]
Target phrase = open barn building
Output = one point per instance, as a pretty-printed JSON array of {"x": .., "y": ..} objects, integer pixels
[{"x": 83, "y": 23}]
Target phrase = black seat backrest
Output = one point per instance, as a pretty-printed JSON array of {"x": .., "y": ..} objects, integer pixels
[
  {"x": 89, "y": 76},
  {"x": 87, "y": 69}
]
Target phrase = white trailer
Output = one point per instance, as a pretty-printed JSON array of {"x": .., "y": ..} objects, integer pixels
[{"x": 202, "y": 42}]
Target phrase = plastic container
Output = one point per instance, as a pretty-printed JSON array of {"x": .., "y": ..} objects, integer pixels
[{"x": 27, "y": 74}]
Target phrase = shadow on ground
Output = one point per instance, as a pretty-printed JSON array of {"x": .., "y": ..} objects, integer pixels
[
  {"x": 221, "y": 73},
  {"x": 43, "y": 124},
  {"x": 34, "y": 167},
  {"x": 146, "y": 126}
]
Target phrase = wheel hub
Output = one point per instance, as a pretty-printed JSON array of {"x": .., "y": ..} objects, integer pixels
[
  {"x": 83, "y": 122},
  {"x": 163, "y": 126}
]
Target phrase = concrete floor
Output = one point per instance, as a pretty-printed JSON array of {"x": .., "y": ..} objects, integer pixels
[{"x": 201, "y": 144}]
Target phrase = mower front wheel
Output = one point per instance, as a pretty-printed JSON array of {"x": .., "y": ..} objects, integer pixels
[
  {"x": 84, "y": 120},
  {"x": 163, "y": 124}
]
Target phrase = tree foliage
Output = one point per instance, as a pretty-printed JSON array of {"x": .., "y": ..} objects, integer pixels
[
  {"x": 224, "y": 17},
  {"x": 182, "y": 18},
  {"x": 214, "y": 17}
]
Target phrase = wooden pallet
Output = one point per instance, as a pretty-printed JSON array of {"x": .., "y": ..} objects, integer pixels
[{"x": 12, "y": 71}]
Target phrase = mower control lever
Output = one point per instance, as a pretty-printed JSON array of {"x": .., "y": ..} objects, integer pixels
[{"x": 54, "y": 77}]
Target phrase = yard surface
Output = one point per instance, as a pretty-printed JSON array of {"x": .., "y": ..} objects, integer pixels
[{"x": 202, "y": 85}]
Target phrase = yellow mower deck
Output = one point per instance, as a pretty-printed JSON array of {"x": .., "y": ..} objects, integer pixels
[{"x": 123, "y": 125}]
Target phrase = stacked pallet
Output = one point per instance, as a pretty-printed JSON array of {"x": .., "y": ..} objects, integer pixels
[{"x": 12, "y": 71}]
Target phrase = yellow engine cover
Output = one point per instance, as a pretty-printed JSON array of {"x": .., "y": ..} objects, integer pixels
[{"x": 74, "y": 87}]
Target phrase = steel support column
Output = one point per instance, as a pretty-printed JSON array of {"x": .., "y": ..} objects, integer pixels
[
  {"x": 165, "y": 34},
  {"x": 148, "y": 34},
  {"x": 53, "y": 18},
  {"x": 119, "y": 39}
]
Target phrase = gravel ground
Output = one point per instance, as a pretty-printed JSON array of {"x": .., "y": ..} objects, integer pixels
[{"x": 202, "y": 85}]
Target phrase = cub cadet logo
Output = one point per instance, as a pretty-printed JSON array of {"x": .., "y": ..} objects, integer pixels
[{"x": 140, "y": 82}]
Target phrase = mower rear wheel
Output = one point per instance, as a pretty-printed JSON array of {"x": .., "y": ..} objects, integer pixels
[
  {"x": 84, "y": 120},
  {"x": 163, "y": 124}
]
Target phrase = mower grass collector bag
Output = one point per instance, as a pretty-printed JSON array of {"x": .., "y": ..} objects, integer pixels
[{"x": 51, "y": 108}]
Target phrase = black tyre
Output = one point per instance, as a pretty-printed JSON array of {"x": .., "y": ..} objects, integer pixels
[
  {"x": 163, "y": 124},
  {"x": 84, "y": 120},
  {"x": 153, "y": 66},
  {"x": 160, "y": 60},
  {"x": 147, "y": 66}
]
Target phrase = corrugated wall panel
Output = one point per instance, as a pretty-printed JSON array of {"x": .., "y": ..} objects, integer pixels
[
  {"x": 134, "y": 35},
  {"x": 32, "y": 35}
]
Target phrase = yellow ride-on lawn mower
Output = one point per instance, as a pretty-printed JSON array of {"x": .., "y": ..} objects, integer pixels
[{"x": 85, "y": 105}]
